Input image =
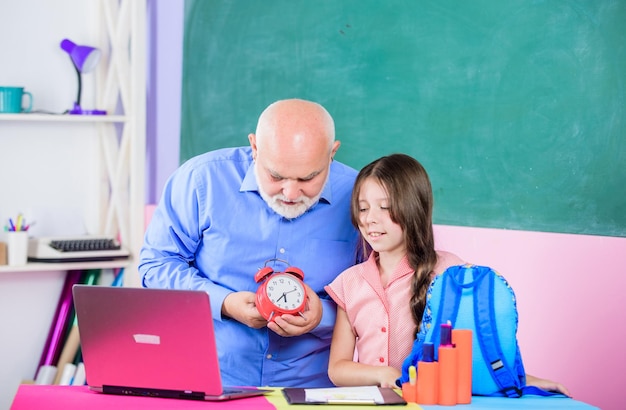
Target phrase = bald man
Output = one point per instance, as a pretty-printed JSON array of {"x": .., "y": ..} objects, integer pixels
[{"x": 224, "y": 214}]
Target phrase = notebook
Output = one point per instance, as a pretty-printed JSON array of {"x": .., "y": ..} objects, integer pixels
[
  {"x": 150, "y": 342},
  {"x": 351, "y": 396},
  {"x": 75, "y": 249}
]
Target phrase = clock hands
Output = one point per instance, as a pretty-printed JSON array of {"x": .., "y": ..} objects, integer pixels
[{"x": 284, "y": 295}]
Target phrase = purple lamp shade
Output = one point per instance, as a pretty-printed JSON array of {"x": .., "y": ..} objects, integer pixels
[{"x": 84, "y": 59}]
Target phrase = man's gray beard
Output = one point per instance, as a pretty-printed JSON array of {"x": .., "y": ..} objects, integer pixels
[{"x": 287, "y": 211}]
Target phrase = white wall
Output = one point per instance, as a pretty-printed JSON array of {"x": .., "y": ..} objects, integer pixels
[
  {"x": 28, "y": 301},
  {"x": 47, "y": 168}
]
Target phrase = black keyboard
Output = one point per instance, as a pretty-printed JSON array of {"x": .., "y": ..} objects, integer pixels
[
  {"x": 76, "y": 249},
  {"x": 84, "y": 245}
]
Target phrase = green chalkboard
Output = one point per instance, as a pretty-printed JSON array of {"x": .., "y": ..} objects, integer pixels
[{"x": 516, "y": 108}]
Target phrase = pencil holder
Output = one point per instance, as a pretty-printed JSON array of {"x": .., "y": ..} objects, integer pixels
[
  {"x": 448, "y": 376},
  {"x": 409, "y": 392},
  {"x": 428, "y": 377},
  {"x": 462, "y": 340},
  {"x": 17, "y": 247},
  {"x": 448, "y": 368}
]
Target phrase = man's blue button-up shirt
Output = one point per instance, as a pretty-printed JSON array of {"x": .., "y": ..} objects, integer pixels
[{"x": 212, "y": 231}]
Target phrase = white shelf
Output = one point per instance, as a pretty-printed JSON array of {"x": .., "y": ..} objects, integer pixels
[
  {"x": 62, "y": 118},
  {"x": 46, "y": 267}
]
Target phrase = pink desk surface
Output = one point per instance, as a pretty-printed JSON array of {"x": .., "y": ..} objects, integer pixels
[{"x": 31, "y": 397}]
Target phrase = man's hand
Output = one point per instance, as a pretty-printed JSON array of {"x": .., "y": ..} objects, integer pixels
[
  {"x": 241, "y": 306},
  {"x": 296, "y": 325}
]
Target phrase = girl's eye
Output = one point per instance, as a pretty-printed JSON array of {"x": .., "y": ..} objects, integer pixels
[{"x": 362, "y": 209}]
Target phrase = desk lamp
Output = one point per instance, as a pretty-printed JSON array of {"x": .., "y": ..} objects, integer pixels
[{"x": 84, "y": 59}]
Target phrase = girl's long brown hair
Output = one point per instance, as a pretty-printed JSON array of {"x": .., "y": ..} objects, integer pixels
[{"x": 410, "y": 206}]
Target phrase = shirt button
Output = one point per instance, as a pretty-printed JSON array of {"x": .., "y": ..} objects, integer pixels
[
  {"x": 383, "y": 329},
  {"x": 281, "y": 250},
  {"x": 381, "y": 359},
  {"x": 269, "y": 356}
]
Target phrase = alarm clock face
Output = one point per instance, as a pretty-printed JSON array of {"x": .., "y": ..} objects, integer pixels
[{"x": 285, "y": 291}]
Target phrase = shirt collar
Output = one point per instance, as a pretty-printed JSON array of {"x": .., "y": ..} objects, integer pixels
[
  {"x": 250, "y": 184},
  {"x": 401, "y": 270},
  {"x": 249, "y": 181}
]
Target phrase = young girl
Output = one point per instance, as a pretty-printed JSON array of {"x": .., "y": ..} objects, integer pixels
[{"x": 381, "y": 301}]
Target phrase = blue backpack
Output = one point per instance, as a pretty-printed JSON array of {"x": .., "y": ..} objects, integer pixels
[{"x": 480, "y": 299}]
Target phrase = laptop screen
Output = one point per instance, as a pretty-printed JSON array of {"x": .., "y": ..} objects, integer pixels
[{"x": 148, "y": 339}]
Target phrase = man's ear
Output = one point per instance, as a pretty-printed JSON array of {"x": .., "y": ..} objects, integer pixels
[
  {"x": 252, "y": 139},
  {"x": 336, "y": 145}
]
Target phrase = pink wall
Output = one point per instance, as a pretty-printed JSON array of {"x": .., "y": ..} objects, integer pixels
[{"x": 571, "y": 304}]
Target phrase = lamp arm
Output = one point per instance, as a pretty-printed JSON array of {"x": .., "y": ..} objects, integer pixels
[{"x": 80, "y": 85}]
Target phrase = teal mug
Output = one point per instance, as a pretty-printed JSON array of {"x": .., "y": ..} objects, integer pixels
[{"x": 11, "y": 99}]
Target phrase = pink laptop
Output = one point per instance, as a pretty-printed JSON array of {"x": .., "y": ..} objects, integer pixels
[{"x": 151, "y": 342}]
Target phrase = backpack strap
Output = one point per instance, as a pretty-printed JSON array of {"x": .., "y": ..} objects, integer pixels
[
  {"x": 509, "y": 381},
  {"x": 449, "y": 301}
]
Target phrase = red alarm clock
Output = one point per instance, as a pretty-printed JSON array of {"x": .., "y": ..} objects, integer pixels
[{"x": 280, "y": 292}]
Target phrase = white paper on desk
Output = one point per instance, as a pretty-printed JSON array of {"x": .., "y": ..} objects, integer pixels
[{"x": 347, "y": 394}]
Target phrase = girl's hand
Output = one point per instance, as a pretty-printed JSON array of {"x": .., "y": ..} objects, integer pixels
[
  {"x": 387, "y": 376},
  {"x": 547, "y": 385}
]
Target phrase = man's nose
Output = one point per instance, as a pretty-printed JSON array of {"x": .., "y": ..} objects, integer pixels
[{"x": 291, "y": 190}]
